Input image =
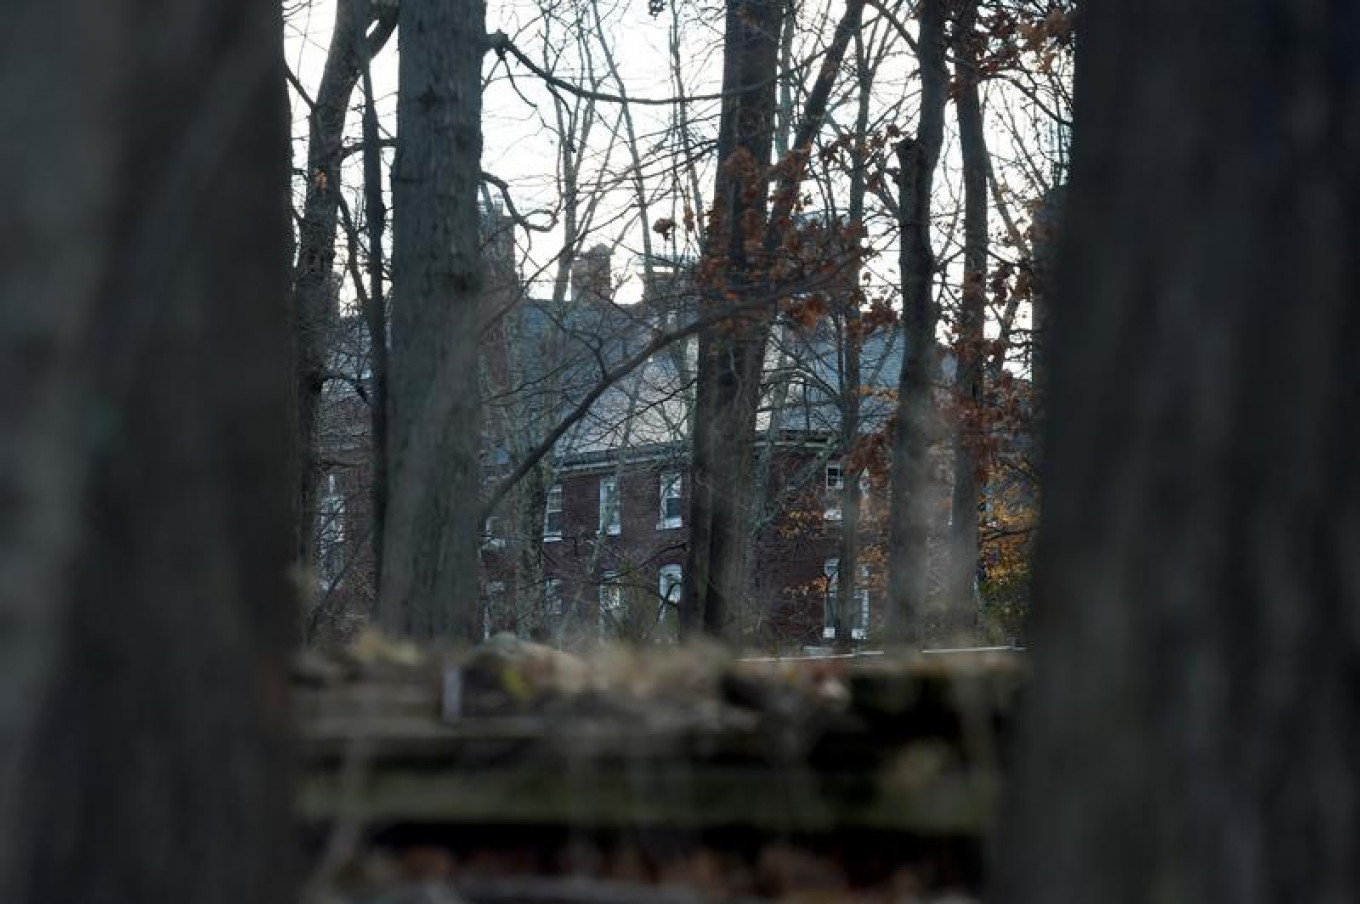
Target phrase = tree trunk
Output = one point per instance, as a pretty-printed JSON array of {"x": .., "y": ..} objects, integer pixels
[
  {"x": 429, "y": 583},
  {"x": 852, "y": 342},
  {"x": 917, "y": 419},
  {"x": 1046, "y": 229},
  {"x": 314, "y": 293},
  {"x": 960, "y": 597},
  {"x": 1193, "y": 733},
  {"x": 146, "y": 537},
  {"x": 375, "y": 318},
  {"x": 847, "y": 567},
  {"x": 730, "y": 356}
]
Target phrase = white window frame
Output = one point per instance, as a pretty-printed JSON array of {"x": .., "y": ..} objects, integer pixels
[
  {"x": 491, "y": 533},
  {"x": 553, "y": 603},
  {"x": 611, "y": 506},
  {"x": 672, "y": 486},
  {"x": 551, "y": 534},
  {"x": 331, "y": 535},
  {"x": 611, "y": 601},
  {"x": 670, "y": 587},
  {"x": 830, "y": 597},
  {"x": 859, "y": 627},
  {"x": 495, "y": 590},
  {"x": 833, "y": 478}
]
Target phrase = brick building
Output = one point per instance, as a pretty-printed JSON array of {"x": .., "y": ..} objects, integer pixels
[
  {"x": 591, "y": 543},
  {"x": 594, "y": 545}
]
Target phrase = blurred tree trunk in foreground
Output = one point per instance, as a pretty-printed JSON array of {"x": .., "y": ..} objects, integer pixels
[
  {"x": 145, "y": 466},
  {"x": 910, "y": 512},
  {"x": 433, "y": 531},
  {"x": 1193, "y": 733}
]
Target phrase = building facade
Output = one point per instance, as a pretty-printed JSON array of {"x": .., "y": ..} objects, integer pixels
[{"x": 590, "y": 545}]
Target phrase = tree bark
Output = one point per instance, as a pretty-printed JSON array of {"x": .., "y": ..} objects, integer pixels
[
  {"x": 731, "y": 355},
  {"x": 375, "y": 318},
  {"x": 1193, "y": 734},
  {"x": 852, "y": 342},
  {"x": 429, "y": 583},
  {"x": 146, "y": 537},
  {"x": 960, "y": 597},
  {"x": 1047, "y": 227},
  {"x": 314, "y": 298},
  {"x": 847, "y": 568},
  {"x": 917, "y": 419}
]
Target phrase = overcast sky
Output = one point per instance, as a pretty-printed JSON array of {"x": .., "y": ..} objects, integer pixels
[{"x": 520, "y": 139}]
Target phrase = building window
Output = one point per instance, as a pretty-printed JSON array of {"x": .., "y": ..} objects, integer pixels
[
  {"x": 830, "y": 598},
  {"x": 552, "y": 514},
  {"x": 492, "y": 536},
  {"x": 610, "y": 522},
  {"x": 331, "y": 535},
  {"x": 835, "y": 483},
  {"x": 495, "y": 593},
  {"x": 859, "y": 625},
  {"x": 671, "y": 588},
  {"x": 672, "y": 514},
  {"x": 859, "y": 617},
  {"x": 611, "y": 603},
  {"x": 552, "y": 597}
]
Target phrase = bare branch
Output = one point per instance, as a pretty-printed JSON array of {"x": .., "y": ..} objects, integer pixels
[{"x": 500, "y": 44}]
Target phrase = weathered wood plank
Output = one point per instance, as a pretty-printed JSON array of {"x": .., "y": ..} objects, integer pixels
[
  {"x": 675, "y": 795},
  {"x": 903, "y": 746}
]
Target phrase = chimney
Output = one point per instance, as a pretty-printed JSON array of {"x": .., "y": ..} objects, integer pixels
[
  {"x": 590, "y": 277},
  {"x": 669, "y": 294},
  {"x": 498, "y": 244}
]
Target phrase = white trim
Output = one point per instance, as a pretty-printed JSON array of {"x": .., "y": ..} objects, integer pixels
[
  {"x": 553, "y": 604},
  {"x": 491, "y": 533},
  {"x": 552, "y": 536},
  {"x": 330, "y": 536},
  {"x": 611, "y": 506},
  {"x": 675, "y": 482},
  {"x": 670, "y": 587},
  {"x": 610, "y": 600}
]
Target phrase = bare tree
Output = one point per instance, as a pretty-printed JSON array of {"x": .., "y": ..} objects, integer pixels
[
  {"x": 743, "y": 247},
  {"x": 962, "y": 566},
  {"x": 314, "y": 301},
  {"x": 146, "y": 536},
  {"x": 375, "y": 315},
  {"x": 729, "y": 365},
  {"x": 848, "y": 317},
  {"x": 429, "y": 581},
  {"x": 1192, "y": 733},
  {"x": 917, "y": 420}
]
